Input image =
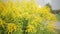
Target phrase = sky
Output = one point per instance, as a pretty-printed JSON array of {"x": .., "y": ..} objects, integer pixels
[{"x": 54, "y": 3}]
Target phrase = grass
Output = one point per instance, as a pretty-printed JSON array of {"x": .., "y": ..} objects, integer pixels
[{"x": 58, "y": 17}]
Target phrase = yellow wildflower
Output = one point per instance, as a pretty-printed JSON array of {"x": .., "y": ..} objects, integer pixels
[
  {"x": 11, "y": 27},
  {"x": 1, "y": 23},
  {"x": 31, "y": 28}
]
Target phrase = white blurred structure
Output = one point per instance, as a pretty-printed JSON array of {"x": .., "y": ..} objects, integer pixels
[{"x": 39, "y": 6}]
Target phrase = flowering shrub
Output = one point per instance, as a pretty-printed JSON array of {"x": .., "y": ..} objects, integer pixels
[{"x": 25, "y": 18}]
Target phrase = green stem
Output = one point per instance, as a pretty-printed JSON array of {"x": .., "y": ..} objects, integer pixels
[{"x": 25, "y": 24}]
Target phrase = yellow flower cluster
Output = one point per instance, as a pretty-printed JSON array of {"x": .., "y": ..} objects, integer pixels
[
  {"x": 1, "y": 23},
  {"x": 11, "y": 27},
  {"x": 31, "y": 28},
  {"x": 36, "y": 18}
]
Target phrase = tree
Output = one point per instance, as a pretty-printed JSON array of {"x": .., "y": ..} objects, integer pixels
[{"x": 49, "y": 6}]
